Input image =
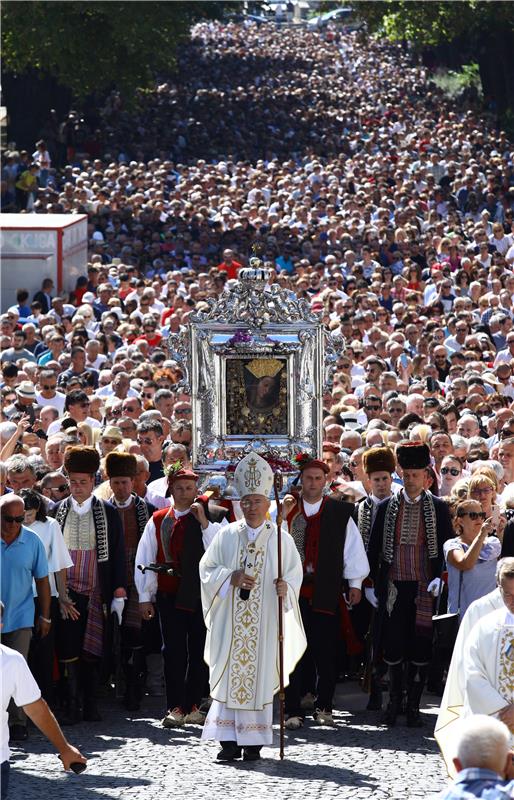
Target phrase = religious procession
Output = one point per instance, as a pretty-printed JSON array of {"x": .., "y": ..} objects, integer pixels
[{"x": 257, "y": 450}]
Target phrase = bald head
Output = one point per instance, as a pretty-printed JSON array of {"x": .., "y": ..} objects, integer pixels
[
  {"x": 12, "y": 512},
  {"x": 11, "y": 499}
]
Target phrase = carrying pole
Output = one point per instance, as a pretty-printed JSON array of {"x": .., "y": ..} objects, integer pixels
[{"x": 277, "y": 485}]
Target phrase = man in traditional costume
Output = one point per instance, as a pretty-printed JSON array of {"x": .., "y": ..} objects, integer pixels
[
  {"x": 177, "y": 538},
  {"x": 452, "y": 702},
  {"x": 331, "y": 550},
  {"x": 242, "y": 634},
  {"x": 406, "y": 556},
  {"x": 121, "y": 469},
  {"x": 96, "y": 583},
  {"x": 379, "y": 464}
]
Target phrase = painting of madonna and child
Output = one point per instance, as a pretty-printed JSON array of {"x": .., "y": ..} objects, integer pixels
[{"x": 256, "y": 397}]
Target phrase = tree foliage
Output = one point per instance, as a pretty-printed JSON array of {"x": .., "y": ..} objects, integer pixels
[
  {"x": 93, "y": 46},
  {"x": 470, "y": 31},
  {"x": 433, "y": 23}
]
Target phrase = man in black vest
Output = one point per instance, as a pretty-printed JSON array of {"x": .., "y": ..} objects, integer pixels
[
  {"x": 406, "y": 556},
  {"x": 178, "y": 537},
  {"x": 331, "y": 550},
  {"x": 97, "y": 583},
  {"x": 134, "y": 512},
  {"x": 379, "y": 464}
]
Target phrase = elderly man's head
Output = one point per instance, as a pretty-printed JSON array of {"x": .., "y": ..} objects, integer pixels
[
  {"x": 484, "y": 743},
  {"x": 20, "y": 473},
  {"x": 12, "y": 516}
]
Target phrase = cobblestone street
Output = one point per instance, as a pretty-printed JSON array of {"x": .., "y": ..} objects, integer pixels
[{"x": 133, "y": 758}]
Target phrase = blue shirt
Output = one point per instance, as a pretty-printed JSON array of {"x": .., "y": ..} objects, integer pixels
[
  {"x": 475, "y": 782},
  {"x": 22, "y": 560}
]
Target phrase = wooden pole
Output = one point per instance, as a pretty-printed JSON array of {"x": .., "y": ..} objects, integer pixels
[{"x": 277, "y": 485}]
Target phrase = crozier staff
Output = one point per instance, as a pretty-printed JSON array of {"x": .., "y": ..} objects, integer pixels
[{"x": 242, "y": 635}]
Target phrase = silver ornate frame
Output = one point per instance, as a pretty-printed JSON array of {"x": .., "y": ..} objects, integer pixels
[{"x": 254, "y": 319}]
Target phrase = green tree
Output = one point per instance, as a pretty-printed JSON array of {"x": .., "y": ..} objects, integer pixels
[
  {"x": 482, "y": 29},
  {"x": 93, "y": 46}
]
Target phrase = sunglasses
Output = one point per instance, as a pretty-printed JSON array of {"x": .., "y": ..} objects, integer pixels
[
  {"x": 372, "y": 408},
  {"x": 473, "y": 515},
  {"x": 8, "y": 518},
  {"x": 111, "y": 441},
  {"x": 48, "y": 387},
  {"x": 61, "y": 488},
  {"x": 450, "y": 471}
]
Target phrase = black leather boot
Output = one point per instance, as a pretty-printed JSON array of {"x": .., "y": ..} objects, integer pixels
[
  {"x": 395, "y": 694},
  {"x": 71, "y": 713},
  {"x": 416, "y": 678},
  {"x": 90, "y": 683},
  {"x": 134, "y": 665},
  {"x": 375, "y": 694}
]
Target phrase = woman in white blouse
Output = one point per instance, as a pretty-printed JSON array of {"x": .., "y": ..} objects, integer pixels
[{"x": 41, "y": 656}]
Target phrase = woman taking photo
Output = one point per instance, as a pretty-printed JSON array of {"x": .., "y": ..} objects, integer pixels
[
  {"x": 483, "y": 487},
  {"x": 471, "y": 557}
]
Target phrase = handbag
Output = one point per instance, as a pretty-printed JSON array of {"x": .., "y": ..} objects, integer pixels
[{"x": 446, "y": 626}]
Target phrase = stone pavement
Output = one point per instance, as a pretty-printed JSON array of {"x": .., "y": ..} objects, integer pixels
[{"x": 136, "y": 759}]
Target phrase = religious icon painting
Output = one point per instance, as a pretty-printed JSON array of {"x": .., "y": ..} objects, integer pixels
[{"x": 256, "y": 392}]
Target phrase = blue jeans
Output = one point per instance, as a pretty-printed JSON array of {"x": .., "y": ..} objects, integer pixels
[{"x": 5, "y": 779}]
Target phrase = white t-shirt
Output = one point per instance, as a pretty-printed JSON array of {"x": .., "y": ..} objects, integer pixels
[
  {"x": 55, "y": 426},
  {"x": 17, "y": 683},
  {"x": 57, "y": 401},
  {"x": 56, "y": 551}
]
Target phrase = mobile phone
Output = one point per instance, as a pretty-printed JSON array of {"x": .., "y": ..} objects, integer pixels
[
  {"x": 404, "y": 360},
  {"x": 431, "y": 384},
  {"x": 495, "y": 516}
]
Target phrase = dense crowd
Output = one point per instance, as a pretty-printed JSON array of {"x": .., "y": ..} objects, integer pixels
[{"x": 385, "y": 205}]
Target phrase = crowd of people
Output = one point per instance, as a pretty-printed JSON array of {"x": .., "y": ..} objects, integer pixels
[{"x": 389, "y": 209}]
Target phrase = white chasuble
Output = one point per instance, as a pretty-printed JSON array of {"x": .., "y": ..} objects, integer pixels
[
  {"x": 242, "y": 635},
  {"x": 481, "y": 677},
  {"x": 452, "y": 702},
  {"x": 489, "y": 665}
]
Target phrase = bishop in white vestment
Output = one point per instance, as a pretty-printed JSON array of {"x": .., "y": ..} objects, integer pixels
[{"x": 242, "y": 634}]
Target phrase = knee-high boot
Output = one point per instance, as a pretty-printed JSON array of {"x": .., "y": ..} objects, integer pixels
[
  {"x": 71, "y": 714},
  {"x": 90, "y": 684},
  {"x": 375, "y": 693},
  {"x": 416, "y": 678},
  {"x": 395, "y": 693},
  {"x": 134, "y": 665}
]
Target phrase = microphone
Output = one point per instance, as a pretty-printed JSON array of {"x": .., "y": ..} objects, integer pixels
[{"x": 244, "y": 594}]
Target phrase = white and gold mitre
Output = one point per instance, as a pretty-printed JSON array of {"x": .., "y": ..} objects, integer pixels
[
  {"x": 253, "y": 475},
  {"x": 264, "y": 367}
]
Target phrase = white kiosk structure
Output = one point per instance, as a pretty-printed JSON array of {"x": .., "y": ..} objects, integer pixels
[{"x": 38, "y": 246}]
